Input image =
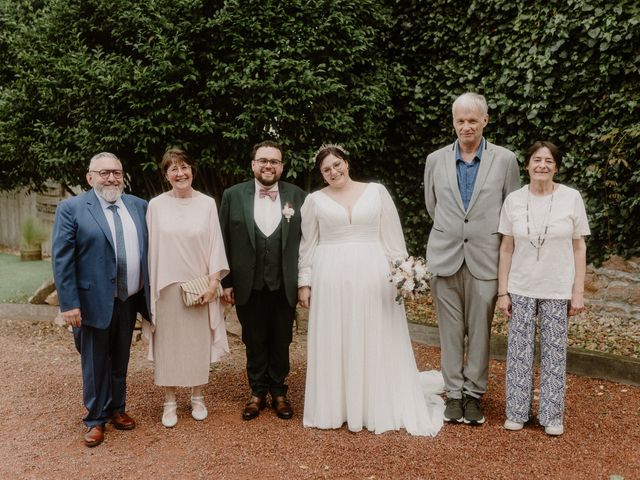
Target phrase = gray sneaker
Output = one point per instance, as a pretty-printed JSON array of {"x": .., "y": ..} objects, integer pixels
[
  {"x": 472, "y": 410},
  {"x": 453, "y": 412}
]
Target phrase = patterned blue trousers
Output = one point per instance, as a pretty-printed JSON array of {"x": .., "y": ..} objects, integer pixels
[{"x": 552, "y": 315}]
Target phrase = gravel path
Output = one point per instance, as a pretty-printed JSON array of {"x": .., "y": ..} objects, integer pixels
[{"x": 41, "y": 428}]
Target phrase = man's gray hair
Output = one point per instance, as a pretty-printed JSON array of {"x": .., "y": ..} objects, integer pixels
[
  {"x": 100, "y": 155},
  {"x": 471, "y": 100}
]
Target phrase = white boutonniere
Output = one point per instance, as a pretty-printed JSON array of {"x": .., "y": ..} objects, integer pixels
[{"x": 288, "y": 211}]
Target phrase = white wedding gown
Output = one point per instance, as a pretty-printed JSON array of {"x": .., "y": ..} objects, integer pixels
[{"x": 360, "y": 364}]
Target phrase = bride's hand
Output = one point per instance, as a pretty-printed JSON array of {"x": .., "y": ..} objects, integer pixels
[{"x": 304, "y": 296}]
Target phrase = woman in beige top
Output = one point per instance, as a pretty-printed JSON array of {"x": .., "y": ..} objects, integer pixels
[
  {"x": 540, "y": 275},
  {"x": 184, "y": 243}
]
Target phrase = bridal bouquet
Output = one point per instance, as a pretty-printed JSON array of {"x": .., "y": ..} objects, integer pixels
[{"x": 410, "y": 277}]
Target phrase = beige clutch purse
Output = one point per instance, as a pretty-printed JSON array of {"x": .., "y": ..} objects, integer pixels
[{"x": 192, "y": 289}]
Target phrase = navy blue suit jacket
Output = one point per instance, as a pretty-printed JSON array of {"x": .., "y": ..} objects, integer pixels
[{"x": 84, "y": 259}]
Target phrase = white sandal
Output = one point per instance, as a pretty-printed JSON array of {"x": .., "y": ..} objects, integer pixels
[
  {"x": 169, "y": 416},
  {"x": 198, "y": 409}
]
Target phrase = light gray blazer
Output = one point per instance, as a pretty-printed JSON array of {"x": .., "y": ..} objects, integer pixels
[{"x": 472, "y": 236}]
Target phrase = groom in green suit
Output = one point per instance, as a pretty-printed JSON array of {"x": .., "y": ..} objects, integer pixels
[{"x": 260, "y": 221}]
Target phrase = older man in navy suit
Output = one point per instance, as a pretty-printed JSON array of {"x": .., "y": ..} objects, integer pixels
[{"x": 99, "y": 256}]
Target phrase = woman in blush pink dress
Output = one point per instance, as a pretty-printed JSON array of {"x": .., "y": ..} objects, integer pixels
[{"x": 185, "y": 242}]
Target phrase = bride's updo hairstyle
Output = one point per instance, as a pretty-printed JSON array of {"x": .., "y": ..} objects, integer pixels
[{"x": 330, "y": 149}]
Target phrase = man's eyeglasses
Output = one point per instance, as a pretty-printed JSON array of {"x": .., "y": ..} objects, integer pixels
[
  {"x": 271, "y": 161},
  {"x": 104, "y": 174}
]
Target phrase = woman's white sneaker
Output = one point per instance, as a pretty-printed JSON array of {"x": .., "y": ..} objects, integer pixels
[
  {"x": 198, "y": 409},
  {"x": 511, "y": 425},
  {"x": 554, "y": 430},
  {"x": 169, "y": 416}
]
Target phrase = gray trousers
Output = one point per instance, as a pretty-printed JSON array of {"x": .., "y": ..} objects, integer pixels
[{"x": 464, "y": 307}]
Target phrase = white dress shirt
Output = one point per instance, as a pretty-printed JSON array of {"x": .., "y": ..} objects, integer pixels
[
  {"x": 131, "y": 245},
  {"x": 266, "y": 212}
]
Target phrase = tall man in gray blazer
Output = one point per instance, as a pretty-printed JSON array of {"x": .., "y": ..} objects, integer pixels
[
  {"x": 99, "y": 259},
  {"x": 260, "y": 222},
  {"x": 465, "y": 185}
]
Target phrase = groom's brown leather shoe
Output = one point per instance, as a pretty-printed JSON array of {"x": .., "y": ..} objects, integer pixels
[
  {"x": 282, "y": 407},
  {"x": 94, "y": 436},
  {"x": 253, "y": 407},
  {"x": 122, "y": 421}
]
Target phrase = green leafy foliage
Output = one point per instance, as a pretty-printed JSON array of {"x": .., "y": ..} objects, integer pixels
[
  {"x": 213, "y": 77},
  {"x": 379, "y": 76}
]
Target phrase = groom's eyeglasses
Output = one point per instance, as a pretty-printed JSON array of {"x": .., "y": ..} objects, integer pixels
[
  {"x": 271, "y": 161},
  {"x": 104, "y": 174}
]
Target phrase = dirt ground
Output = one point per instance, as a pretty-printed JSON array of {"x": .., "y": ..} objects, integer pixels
[{"x": 41, "y": 428}]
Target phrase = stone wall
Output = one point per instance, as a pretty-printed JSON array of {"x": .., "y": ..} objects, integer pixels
[{"x": 615, "y": 288}]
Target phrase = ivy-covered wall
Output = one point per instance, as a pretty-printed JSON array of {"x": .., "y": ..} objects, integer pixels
[
  {"x": 379, "y": 76},
  {"x": 566, "y": 71}
]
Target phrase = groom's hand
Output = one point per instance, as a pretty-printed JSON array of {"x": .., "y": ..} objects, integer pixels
[
  {"x": 304, "y": 296},
  {"x": 228, "y": 296}
]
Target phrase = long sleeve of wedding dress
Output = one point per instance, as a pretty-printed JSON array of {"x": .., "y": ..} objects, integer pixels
[
  {"x": 309, "y": 241},
  {"x": 391, "y": 228}
]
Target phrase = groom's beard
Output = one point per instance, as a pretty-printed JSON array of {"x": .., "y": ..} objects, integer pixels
[{"x": 270, "y": 180}]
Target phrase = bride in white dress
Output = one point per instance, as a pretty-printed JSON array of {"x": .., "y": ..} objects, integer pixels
[{"x": 360, "y": 364}]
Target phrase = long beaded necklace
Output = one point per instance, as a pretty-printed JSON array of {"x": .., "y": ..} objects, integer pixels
[{"x": 542, "y": 232}]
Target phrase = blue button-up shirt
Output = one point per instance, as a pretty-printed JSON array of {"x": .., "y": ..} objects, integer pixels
[{"x": 467, "y": 173}]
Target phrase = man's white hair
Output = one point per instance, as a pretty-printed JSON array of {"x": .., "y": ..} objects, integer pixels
[
  {"x": 471, "y": 100},
  {"x": 100, "y": 155}
]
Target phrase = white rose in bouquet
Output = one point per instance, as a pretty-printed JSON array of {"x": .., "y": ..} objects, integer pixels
[
  {"x": 407, "y": 265},
  {"x": 408, "y": 286},
  {"x": 420, "y": 269}
]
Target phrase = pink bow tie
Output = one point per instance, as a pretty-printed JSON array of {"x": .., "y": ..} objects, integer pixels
[{"x": 272, "y": 194}]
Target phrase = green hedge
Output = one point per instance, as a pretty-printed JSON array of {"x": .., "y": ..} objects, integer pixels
[
  {"x": 212, "y": 77},
  {"x": 80, "y": 76}
]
